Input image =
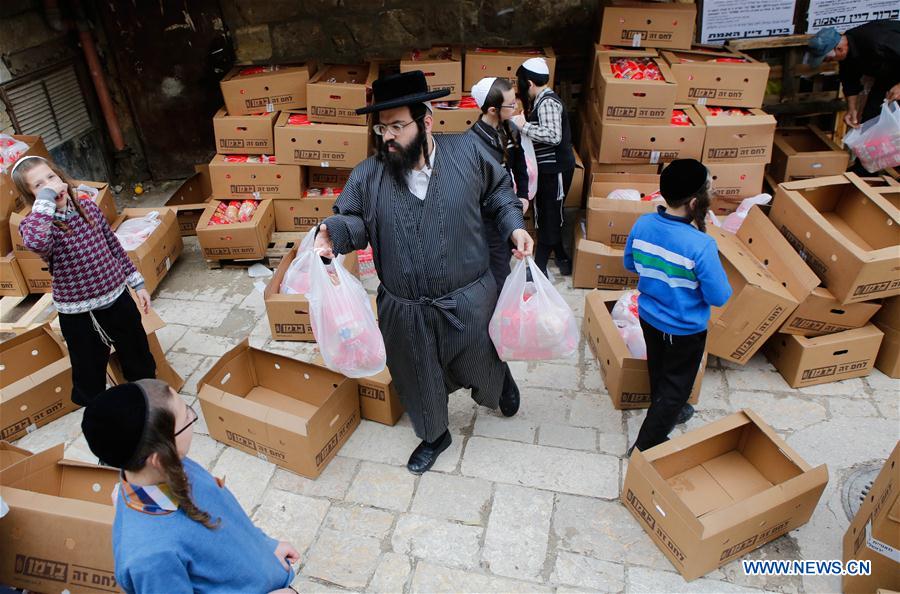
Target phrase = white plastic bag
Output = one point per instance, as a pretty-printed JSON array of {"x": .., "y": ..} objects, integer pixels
[
  {"x": 296, "y": 279},
  {"x": 343, "y": 321},
  {"x": 133, "y": 232},
  {"x": 624, "y": 194},
  {"x": 10, "y": 151},
  {"x": 530, "y": 164},
  {"x": 734, "y": 220},
  {"x": 532, "y": 322},
  {"x": 877, "y": 142},
  {"x": 625, "y": 316}
]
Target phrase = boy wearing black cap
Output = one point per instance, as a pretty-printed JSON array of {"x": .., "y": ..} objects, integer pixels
[{"x": 681, "y": 276}]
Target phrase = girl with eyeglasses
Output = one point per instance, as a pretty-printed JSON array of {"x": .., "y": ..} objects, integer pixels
[{"x": 177, "y": 528}]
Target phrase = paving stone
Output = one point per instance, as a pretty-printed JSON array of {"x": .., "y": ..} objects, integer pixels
[
  {"x": 461, "y": 410},
  {"x": 884, "y": 395},
  {"x": 565, "y": 436},
  {"x": 227, "y": 292},
  {"x": 356, "y": 519},
  {"x": 592, "y": 383},
  {"x": 436, "y": 579},
  {"x": 452, "y": 497},
  {"x": 200, "y": 427},
  {"x": 515, "y": 544},
  {"x": 550, "y": 375},
  {"x": 184, "y": 365},
  {"x": 384, "y": 486},
  {"x": 783, "y": 413},
  {"x": 612, "y": 443},
  {"x": 757, "y": 381},
  {"x": 757, "y": 362},
  {"x": 853, "y": 443},
  {"x": 80, "y": 451},
  {"x": 291, "y": 517},
  {"x": 542, "y": 467},
  {"x": 850, "y": 387},
  {"x": 713, "y": 390},
  {"x": 63, "y": 430},
  {"x": 305, "y": 585},
  {"x": 255, "y": 302},
  {"x": 393, "y": 445},
  {"x": 332, "y": 483},
  {"x": 190, "y": 385},
  {"x": 344, "y": 559},
  {"x": 245, "y": 475},
  {"x": 781, "y": 548},
  {"x": 169, "y": 334},
  {"x": 880, "y": 383},
  {"x": 444, "y": 542},
  {"x": 852, "y": 407},
  {"x": 190, "y": 313},
  {"x": 595, "y": 410},
  {"x": 642, "y": 579},
  {"x": 199, "y": 343},
  {"x": 499, "y": 427},
  {"x": 392, "y": 574},
  {"x": 540, "y": 405},
  {"x": 205, "y": 450},
  {"x": 585, "y": 572}
]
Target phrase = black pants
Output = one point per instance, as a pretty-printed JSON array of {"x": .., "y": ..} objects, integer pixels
[
  {"x": 549, "y": 212},
  {"x": 121, "y": 321},
  {"x": 673, "y": 362}
]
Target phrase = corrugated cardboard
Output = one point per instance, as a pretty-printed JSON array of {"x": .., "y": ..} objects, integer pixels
[
  {"x": 703, "y": 81},
  {"x": 600, "y": 50},
  {"x": 714, "y": 494},
  {"x": 806, "y": 361},
  {"x": 242, "y": 241},
  {"x": 483, "y": 62},
  {"x": 641, "y": 168},
  {"x": 450, "y": 120},
  {"x": 35, "y": 381},
  {"x": 878, "y": 519},
  {"x": 599, "y": 266},
  {"x": 378, "y": 400},
  {"x": 10, "y": 201},
  {"x": 56, "y": 536},
  {"x": 575, "y": 196},
  {"x": 845, "y": 231},
  {"x": 804, "y": 152},
  {"x": 164, "y": 371},
  {"x": 648, "y": 24},
  {"x": 732, "y": 182},
  {"x": 610, "y": 221},
  {"x": 104, "y": 198},
  {"x": 440, "y": 73},
  {"x": 888, "y": 360},
  {"x": 327, "y": 177},
  {"x": 284, "y": 88},
  {"x": 36, "y": 273},
  {"x": 294, "y": 414},
  {"x": 191, "y": 199},
  {"x": 621, "y": 142},
  {"x": 249, "y": 134},
  {"x": 738, "y": 139},
  {"x": 10, "y": 454},
  {"x": 634, "y": 101},
  {"x": 321, "y": 145},
  {"x": 604, "y": 183},
  {"x": 820, "y": 314},
  {"x": 154, "y": 257},
  {"x": 303, "y": 214},
  {"x": 626, "y": 377},
  {"x": 12, "y": 283},
  {"x": 232, "y": 181},
  {"x": 336, "y": 92}
]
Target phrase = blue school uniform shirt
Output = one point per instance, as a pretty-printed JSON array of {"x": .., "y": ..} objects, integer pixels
[
  {"x": 158, "y": 549},
  {"x": 681, "y": 275}
]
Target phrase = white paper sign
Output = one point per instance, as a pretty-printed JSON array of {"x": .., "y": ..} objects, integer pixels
[
  {"x": 846, "y": 14},
  {"x": 738, "y": 19}
]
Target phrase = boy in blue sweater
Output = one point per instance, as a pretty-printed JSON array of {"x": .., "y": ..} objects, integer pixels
[
  {"x": 177, "y": 529},
  {"x": 681, "y": 276}
]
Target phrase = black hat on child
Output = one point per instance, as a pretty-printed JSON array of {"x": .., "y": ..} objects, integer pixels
[
  {"x": 398, "y": 90},
  {"x": 114, "y": 424},
  {"x": 681, "y": 179}
]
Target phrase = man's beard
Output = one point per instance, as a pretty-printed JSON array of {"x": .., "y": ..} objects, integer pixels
[{"x": 403, "y": 159}]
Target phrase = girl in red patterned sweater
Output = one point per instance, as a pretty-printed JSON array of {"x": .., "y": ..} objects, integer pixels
[{"x": 91, "y": 275}]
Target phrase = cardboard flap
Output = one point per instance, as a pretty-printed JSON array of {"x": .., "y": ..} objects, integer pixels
[
  {"x": 665, "y": 499},
  {"x": 776, "y": 439},
  {"x": 10, "y": 454},
  {"x": 20, "y": 471},
  {"x": 223, "y": 361},
  {"x": 747, "y": 265},
  {"x": 29, "y": 353}
]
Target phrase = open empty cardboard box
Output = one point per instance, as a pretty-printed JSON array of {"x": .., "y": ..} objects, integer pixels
[
  {"x": 294, "y": 414},
  {"x": 10, "y": 454},
  {"x": 58, "y": 533},
  {"x": 716, "y": 493},
  {"x": 191, "y": 199},
  {"x": 888, "y": 321},
  {"x": 155, "y": 256},
  {"x": 804, "y": 152}
]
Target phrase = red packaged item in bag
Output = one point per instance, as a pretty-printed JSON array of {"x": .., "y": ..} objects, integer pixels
[
  {"x": 298, "y": 119},
  {"x": 218, "y": 217},
  {"x": 232, "y": 210},
  {"x": 467, "y": 103},
  {"x": 236, "y": 158},
  {"x": 246, "y": 211},
  {"x": 730, "y": 60},
  {"x": 680, "y": 118},
  {"x": 256, "y": 70}
]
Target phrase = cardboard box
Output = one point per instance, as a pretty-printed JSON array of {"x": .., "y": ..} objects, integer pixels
[
  {"x": 575, "y": 196},
  {"x": 378, "y": 400},
  {"x": 804, "y": 152},
  {"x": 336, "y": 92},
  {"x": 714, "y": 494},
  {"x": 845, "y": 231},
  {"x": 164, "y": 371},
  {"x": 483, "y": 62},
  {"x": 451, "y": 119},
  {"x": 600, "y": 50},
  {"x": 633, "y": 101},
  {"x": 36, "y": 382},
  {"x": 327, "y": 177},
  {"x": 604, "y": 183},
  {"x": 442, "y": 67},
  {"x": 10, "y": 200},
  {"x": 702, "y": 80},
  {"x": 738, "y": 139},
  {"x": 231, "y": 179},
  {"x": 57, "y": 533},
  {"x": 874, "y": 529},
  {"x": 641, "y": 168},
  {"x": 820, "y": 314},
  {"x": 626, "y": 377},
  {"x": 888, "y": 360},
  {"x": 321, "y": 145},
  {"x": 36, "y": 273},
  {"x": 610, "y": 221},
  {"x": 191, "y": 199},
  {"x": 104, "y": 198},
  {"x": 240, "y": 241},
  {"x": 621, "y": 142},
  {"x": 304, "y": 214},
  {"x": 249, "y": 134},
  {"x": 254, "y": 89},
  {"x": 154, "y": 257},
  {"x": 732, "y": 182},
  {"x": 12, "y": 282},
  {"x": 294, "y": 414},
  {"x": 10, "y": 454},
  {"x": 599, "y": 266},
  {"x": 648, "y": 24},
  {"x": 806, "y": 361}
]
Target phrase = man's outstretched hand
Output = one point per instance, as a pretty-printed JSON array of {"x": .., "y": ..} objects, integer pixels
[{"x": 524, "y": 243}]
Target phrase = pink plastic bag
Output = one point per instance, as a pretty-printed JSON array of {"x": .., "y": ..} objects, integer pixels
[
  {"x": 734, "y": 220},
  {"x": 296, "y": 279},
  {"x": 532, "y": 322},
  {"x": 530, "y": 165},
  {"x": 133, "y": 232},
  {"x": 343, "y": 322},
  {"x": 877, "y": 141}
]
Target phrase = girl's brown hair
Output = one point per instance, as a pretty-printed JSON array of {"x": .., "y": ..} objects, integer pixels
[
  {"x": 18, "y": 178},
  {"x": 159, "y": 439},
  {"x": 494, "y": 98}
]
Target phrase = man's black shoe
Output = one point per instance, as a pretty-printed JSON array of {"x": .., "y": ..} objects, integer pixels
[
  {"x": 565, "y": 267},
  {"x": 424, "y": 456},
  {"x": 509, "y": 399},
  {"x": 687, "y": 411}
]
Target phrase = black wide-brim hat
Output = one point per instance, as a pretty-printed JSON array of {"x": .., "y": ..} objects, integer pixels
[{"x": 398, "y": 90}]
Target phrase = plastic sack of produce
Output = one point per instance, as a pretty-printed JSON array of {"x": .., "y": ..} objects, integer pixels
[
  {"x": 877, "y": 142},
  {"x": 532, "y": 322},
  {"x": 296, "y": 279},
  {"x": 343, "y": 322},
  {"x": 133, "y": 232},
  {"x": 625, "y": 317},
  {"x": 10, "y": 151},
  {"x": 734, "y": 220}
]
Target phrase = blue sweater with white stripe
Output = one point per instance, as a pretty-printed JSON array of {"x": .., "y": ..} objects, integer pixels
[{"x": 681, "y": 275}]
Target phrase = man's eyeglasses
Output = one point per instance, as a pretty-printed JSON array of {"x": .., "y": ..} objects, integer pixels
[
  {"x": 513, "y": 106},
  {"x": 194, "y": 420},
  {"x": 395, "y": 129}
]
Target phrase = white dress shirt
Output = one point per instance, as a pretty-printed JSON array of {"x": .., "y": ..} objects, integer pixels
[{"x": 417, "y": 179}]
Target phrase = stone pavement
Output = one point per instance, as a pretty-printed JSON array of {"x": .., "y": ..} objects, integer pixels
[{"x": 528, "y": 504}]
